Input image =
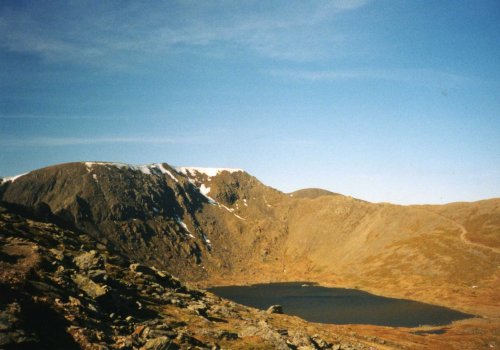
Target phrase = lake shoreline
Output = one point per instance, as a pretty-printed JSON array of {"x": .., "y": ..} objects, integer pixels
[{"x": 321, "y": 304}]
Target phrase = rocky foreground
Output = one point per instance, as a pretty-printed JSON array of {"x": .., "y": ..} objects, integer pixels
[{"x": 60, "y": 289}]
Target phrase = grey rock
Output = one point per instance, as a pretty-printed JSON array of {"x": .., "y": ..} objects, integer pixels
[
  {"x": 57, "y": 254},
  {"x": 89, "y": 261},
  {"x": 199, "y": 308},
  {"x": 268, "y": 333},
  {"x": 223, "y": 311},
  {"x": 322, "y": 344},
  {"x": 155, "y": 333},
  {"x": 91, "y": 288},
  {"x": 303, "y": 341},
  {"x": 275, "y": 309},
  {"x": 160, "y": 343}
]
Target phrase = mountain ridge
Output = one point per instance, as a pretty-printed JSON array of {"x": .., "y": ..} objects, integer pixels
[
  {"x": 309, "y": 192},
  {"x": 223, "y": 226}
]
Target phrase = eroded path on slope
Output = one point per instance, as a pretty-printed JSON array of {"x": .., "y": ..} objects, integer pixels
[{"x": 463, "y": 235}]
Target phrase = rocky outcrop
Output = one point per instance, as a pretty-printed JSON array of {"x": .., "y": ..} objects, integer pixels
[
  {"x": 95, "y": 299},
  {"x": 275, "y": 309}
]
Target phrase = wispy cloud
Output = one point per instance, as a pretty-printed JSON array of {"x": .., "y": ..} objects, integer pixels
[
  {"x": 62, "y": 117},
  {"x": 421, "y": 76},
  {"x": 95, "y": 31},
  {"x": 71, "y": 141}
]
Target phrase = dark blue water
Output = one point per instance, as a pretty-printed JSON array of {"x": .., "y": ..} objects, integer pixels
[{"x": 340, "y": 306}]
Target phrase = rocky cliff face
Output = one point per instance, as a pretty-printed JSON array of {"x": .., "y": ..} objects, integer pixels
[
  {"x": 184, "y": 221},
  {"x": 145, "y": 212}
]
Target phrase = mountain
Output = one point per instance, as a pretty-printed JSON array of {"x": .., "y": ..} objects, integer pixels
[
  {"x": 312, "y": 193},
  {"x": 214, "y": 226}
]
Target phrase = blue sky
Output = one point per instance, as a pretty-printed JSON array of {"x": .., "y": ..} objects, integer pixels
[{"x": 393, "y": 101}]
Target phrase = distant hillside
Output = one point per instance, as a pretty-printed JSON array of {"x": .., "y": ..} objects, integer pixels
[{"x": 312, "y": 193}]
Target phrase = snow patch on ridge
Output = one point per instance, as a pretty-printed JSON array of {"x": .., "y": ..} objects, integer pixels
[
  {"x": 89, "y": 165},
  {"x": 204, "y": 191},
  {"x": 144, "y": 169},
  {"x": 149, "y": 169},
  {"x": 11, "y": 178},
  {"x": 162, "y": 169},
  {"x": 210, "y": 172},
  {"x": 141, "y": 168}
]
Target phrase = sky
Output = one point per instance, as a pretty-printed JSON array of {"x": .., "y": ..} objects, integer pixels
[{"x": 388, "y": 101}]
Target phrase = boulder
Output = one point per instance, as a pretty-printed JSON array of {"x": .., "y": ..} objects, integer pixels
[
  {"x": 139, "y": 268},
  {"x": 322, "y": 344},
  {"x": 91, "y": 288},
  {"x": 89, "y": 261},
  {"x": 199, "y": 308},
  {"x": 275, "y": 309},
  {"x": 303, "y": 341},
  {"x": 160, "y": 343},
  {"x": 156, "y": 333},
  {"x": 264, "y": 330}
]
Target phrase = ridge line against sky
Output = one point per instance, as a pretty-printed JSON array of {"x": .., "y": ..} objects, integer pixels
[{"x": 382, "y": 100}]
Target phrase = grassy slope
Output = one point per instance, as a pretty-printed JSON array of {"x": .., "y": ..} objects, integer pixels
[{"x": 414, "y": 252}]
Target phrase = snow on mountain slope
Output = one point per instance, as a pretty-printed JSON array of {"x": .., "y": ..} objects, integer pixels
[
  {"x": 11, "y": 178},
  {"x": 148, "y": 169},
  {"x": 210, "y": 172}
]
